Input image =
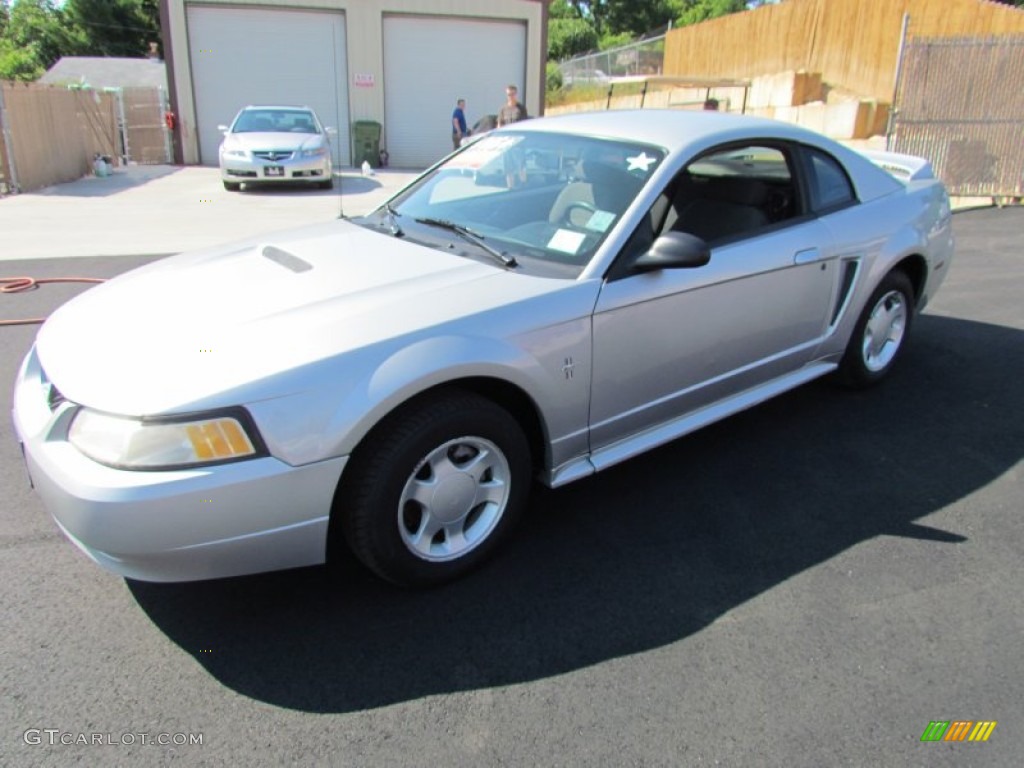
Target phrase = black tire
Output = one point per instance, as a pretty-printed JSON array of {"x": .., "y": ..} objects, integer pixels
[
  {"x": 870, "y": 355},
  {"x": 232, "y": 186},
  {"x": 327, "y": 183},
  {"x": 468, "y": 462}
]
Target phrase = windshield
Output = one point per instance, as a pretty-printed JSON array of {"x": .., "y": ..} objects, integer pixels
[
  {"x": 275, "y": 121},
  {"x": 546, "y": 200}
]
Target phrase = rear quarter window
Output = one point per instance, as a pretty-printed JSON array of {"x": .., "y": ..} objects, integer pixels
[{"x": 830, "y": 187}]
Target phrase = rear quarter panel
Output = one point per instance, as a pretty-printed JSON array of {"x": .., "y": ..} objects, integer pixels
[{"x": 913, "y": 220}]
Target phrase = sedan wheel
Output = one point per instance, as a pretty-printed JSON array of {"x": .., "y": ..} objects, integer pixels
[
  {"x": 879, "y": 335},
  {"x": 435, "y": 488}
]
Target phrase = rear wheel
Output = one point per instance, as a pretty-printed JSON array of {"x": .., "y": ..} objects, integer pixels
[
  {"x": 880, "y": 333},
  {"x": 435, "y": 489}
]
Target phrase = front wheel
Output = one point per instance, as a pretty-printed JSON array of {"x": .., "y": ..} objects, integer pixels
[
  {"x": 880, "y": 333},
  {"x": 232, "y": 186},
  {"x": 435, "y": 489}
]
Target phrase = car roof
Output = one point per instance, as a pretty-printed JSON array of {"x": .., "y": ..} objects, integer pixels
[{"x": 672, "y": 129}]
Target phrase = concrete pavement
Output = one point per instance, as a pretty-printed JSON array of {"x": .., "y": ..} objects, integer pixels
[{"x": 158, "y": 209}]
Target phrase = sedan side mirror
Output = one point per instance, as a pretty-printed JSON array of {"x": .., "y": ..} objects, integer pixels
[
  {"x": 674, "y": 250},
  {"x": 222, "y": 127},
  {"x": 330, "y": 130}
]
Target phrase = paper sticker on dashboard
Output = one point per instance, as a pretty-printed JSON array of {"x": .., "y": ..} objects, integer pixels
[{"x": 566, "y": 241}]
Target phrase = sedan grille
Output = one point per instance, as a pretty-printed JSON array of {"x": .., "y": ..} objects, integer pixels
[{"x": 273, "y": 155}]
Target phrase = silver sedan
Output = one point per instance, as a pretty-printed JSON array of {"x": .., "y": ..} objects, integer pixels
[
  {"x": 560, "y": 296},
  {"x": 276, "y": 144}
]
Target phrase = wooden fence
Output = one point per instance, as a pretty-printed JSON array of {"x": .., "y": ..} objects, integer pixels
[
  {"x": 852, "y": 43},
  {"x": 55, "y": 133}
]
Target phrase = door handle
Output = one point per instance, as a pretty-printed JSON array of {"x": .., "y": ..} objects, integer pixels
[{"x": 807, "y": 256}]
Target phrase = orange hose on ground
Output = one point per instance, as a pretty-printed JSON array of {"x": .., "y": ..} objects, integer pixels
[{"x": 22, "y": 284}]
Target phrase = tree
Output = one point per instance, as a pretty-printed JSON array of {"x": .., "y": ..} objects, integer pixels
[
  {"x": 636, "y": 17},
  {"x": 35, "y": 33},
  {"x": 701, "y": 10},
  {"x": 639, "y": 18},
  {"x": 32, "y": 39},
  {"x": 569, "y": 34},
  {"x": 18, "y": 63},
  {"x": 570, "y": 37},
  {"x": 113, "y": 27}
]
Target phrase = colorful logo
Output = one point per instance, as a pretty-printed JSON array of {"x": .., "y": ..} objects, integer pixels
[{"x": 959, "y": 730}]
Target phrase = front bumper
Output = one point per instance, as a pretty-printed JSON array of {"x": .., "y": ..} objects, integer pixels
[
  {"x": 183, "y": 525},
  {"x": 294, "y": 168}
]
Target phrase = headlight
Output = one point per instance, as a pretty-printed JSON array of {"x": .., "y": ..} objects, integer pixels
[
  {"x": 318, "y": 152},
  {"x": 236, "y": 153},
  {"x": 136, "y": 444}
]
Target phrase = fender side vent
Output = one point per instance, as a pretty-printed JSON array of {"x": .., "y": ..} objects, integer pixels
[{"x": 845, "y": 288}]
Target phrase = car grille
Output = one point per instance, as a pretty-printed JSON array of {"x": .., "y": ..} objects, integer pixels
[{"x": 273, "y": 155}]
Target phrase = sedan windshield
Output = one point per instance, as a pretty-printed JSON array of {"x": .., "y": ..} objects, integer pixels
[
  {"x": 275, "y": 121},
  {"x": 539, "y": 201}
]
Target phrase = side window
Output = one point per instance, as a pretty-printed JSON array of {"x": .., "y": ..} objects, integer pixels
[
  {"x": 831, "y": 187},
  {"x": 732, "y": 192}
]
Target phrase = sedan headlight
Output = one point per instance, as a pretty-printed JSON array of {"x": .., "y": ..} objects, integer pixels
[
  {"x": 318, "y": 152},
  {"x": 241, "y": 153},
  {"x": 163, "y": 444}
]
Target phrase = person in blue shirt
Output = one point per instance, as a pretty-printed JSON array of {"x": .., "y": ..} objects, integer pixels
[{"x": 459, "y": 123}]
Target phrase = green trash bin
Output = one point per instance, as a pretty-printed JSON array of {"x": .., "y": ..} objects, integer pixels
[{"x": 366, "y": 142}]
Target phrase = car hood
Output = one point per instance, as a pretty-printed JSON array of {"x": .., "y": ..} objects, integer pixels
[
  {"x": 257, "y": 141},
  {"x": 245, "y": 321}
]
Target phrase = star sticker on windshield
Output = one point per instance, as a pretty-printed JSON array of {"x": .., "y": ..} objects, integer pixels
[{"x": 641, "y": 162}]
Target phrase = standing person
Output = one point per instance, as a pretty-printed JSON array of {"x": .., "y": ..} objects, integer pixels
[
  {"x": 459, "y": 123},
  {"x": 511, "y": 111}
]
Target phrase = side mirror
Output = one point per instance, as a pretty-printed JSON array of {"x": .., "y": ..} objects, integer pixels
[
  {"x": 222, "y": 127},
  {"x": 331, "y": 130},
  {"x": 674, "y": 250}
]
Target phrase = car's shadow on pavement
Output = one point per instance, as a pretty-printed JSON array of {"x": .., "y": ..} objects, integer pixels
[
  {"x": 124, "y": 177},
  {"x": 352, "y": 183},
  {"x": 640, "y": 556}
]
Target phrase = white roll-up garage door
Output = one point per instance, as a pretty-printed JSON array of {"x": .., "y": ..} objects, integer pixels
[
  {"x": 262, "y": 56},
  {"x": 429, "y": 62}
]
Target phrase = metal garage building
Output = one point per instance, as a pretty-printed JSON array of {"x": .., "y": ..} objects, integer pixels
[{"x": 401, "y": 63}]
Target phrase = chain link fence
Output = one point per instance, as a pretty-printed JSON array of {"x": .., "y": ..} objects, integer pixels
[
  {"x": 8, "y": 183},
  {"x": 645, "y": 57},
  {"x": 959, "y": 103}
]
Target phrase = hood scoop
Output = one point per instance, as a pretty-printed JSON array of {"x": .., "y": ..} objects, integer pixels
[{"x": 287, "y": 260}]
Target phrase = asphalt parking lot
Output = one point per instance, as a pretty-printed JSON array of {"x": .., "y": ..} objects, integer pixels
[{"x": 809, "y": 583}]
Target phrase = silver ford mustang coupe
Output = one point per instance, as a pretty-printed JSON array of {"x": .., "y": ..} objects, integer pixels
[{"x": 557, "y": 297}]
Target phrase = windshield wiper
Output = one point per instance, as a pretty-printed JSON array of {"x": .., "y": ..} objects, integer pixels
[
  {"x": 393, "y": 225},
  {"x": 474, "y": 237}
]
